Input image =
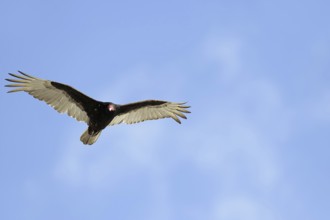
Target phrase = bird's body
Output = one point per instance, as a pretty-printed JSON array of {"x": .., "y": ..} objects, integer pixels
[{"x": 98, "y": 115}]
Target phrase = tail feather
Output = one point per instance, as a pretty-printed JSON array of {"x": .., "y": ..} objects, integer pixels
[{"x": 89, "y": 139}]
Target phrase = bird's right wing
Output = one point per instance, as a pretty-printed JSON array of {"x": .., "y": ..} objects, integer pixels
[
  {"x": 61, "y": 97},
  {"x": 149, "y": 110}
]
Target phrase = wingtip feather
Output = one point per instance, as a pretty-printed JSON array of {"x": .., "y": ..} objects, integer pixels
[
  {"x": 25, "y": 74},
  {"x": 177, "y": 120},
  {"x": 15, "y": 90}
]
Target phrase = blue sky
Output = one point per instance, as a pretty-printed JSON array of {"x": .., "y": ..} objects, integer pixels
[{"x": 256, "y": 145}]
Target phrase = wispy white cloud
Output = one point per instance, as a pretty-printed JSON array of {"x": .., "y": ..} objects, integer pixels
[
  {"x": 319, "y": 108},
  {"x": 108, "y": 161},
  {"x": 237, "y": 140},
  {"x": 225, "y": 52},
  {"x": 243, "y": 208}
]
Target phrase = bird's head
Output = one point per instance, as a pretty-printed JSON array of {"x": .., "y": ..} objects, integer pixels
[{"x": 112, "y": 107}]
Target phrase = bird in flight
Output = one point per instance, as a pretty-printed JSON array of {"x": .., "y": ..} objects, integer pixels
[{"x": 98, "y": 115}]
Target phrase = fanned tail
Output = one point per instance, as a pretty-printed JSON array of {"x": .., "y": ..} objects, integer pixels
[{"x": 88, "y": 138}]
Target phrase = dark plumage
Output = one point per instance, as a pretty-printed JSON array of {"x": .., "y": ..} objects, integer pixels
[{"x": 96, "y": 114}]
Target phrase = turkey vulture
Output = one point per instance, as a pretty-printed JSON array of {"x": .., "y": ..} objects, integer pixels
[{"x": 96, "y": 114}]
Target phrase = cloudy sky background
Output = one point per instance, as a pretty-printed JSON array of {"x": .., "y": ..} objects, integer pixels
[{"x": 256, "y": 146}]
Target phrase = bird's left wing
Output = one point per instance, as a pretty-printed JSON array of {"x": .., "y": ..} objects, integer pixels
[
  {"x": 149, "y": 110},
  {"x": 61, "y": 97}
]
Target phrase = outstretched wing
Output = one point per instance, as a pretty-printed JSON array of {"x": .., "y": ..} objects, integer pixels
[
  {"x": 149, "y": 110},
  {"x": 61, "y": 97}
]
